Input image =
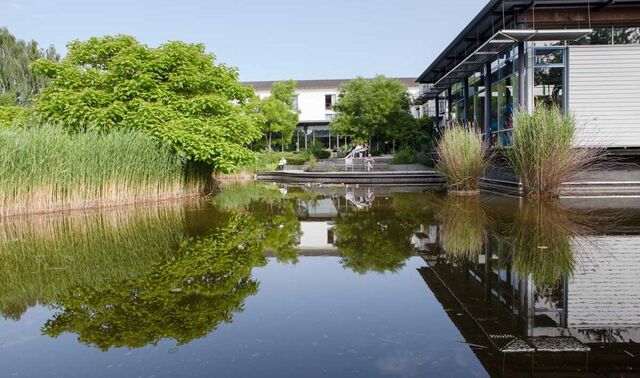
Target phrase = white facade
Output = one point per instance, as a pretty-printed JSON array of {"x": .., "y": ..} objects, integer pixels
[{"x": 315, "y": 98}]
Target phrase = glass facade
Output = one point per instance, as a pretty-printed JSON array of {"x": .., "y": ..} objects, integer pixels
[
  {"x": 610, "y": 35},
  {"x": 504, "y": 98},
  {"x": 549, "y": 76}
]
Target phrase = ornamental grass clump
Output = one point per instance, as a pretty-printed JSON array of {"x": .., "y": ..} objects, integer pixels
[
  {"x": 544, "y": 152},
  {"x": 461, "y": 158}
]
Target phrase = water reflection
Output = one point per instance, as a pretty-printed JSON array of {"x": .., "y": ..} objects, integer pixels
[
  {"x": 528, "y": 286},
  {"x": 182, "y": 298},
  {"x": 463, "y": 226}
]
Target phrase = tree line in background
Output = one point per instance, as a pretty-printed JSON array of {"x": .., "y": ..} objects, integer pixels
[{"x": 18, "y": 82}]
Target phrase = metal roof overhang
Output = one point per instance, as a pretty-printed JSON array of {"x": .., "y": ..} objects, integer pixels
[{"x": 488, "y": 51}]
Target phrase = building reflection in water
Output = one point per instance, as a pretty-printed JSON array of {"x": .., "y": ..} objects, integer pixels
[
  {"x": 549, "y": 294},
  {"x": 535, "y": 289}
]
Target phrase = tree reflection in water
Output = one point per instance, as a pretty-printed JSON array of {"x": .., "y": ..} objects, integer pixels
[
  {"x": 182, "y": 298},
  {"x": 376, "y": 240}
]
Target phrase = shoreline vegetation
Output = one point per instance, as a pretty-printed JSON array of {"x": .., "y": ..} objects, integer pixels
[{"x": 45, "y": 169}]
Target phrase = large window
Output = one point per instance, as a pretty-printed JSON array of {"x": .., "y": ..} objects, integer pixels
[
  {"x": 549, "y": 76},
  {"x": 504, "y": 99}
]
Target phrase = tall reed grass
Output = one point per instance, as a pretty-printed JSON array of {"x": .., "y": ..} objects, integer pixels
[
  {"x": 461, "y": 157},
  {"x": 544, "y": 154},
  {"x": 44, "y": 168}
]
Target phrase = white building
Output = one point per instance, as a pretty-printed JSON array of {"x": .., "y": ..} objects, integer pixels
[{"x": 315, "y": 100}]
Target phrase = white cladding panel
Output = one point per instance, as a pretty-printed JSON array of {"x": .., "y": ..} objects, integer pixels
[
  {"x": 604, "y": 291},
  {"x": 604, "y": 94}
]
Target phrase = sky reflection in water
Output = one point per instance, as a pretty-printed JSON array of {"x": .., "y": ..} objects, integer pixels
[{"x": 264, "y": 280}]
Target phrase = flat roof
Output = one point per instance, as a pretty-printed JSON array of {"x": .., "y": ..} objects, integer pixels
[
  {"x": 496, "y": 15},
  {"x": 317, "y": 84}
]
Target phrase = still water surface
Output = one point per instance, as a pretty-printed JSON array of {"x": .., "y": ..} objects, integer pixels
[{"x": 268, "y": 281}]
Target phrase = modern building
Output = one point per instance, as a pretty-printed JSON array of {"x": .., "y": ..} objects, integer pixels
[
  {"x": 581, "y": 55},
  {"x": 314, "y": 100}
]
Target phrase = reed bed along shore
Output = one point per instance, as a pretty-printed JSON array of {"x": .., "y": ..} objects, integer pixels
[{"x": 45, "y": 169}]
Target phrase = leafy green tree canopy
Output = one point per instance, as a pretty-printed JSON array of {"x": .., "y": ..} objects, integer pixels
[
  {"x": 176, "y": 93},
  {"x": 279, "y": 113},
  {"x": 375, "y": 108}
]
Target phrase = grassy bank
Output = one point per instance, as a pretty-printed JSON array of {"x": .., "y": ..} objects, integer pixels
[{"x": 47, "y": 169}]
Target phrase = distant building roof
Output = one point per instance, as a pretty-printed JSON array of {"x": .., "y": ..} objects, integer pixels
[{"x": 329, "y": 83}]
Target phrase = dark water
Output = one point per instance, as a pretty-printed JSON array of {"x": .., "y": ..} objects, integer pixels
[{"x": 268, "y": 281}]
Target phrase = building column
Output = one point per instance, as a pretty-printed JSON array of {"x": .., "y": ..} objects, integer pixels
[
  {"x": 306, "y": 138},
  {"x": 449, "y": 103},
  {"x": 522, "y": 103},
  {"x": 487, "y": 103},
  {"x": 438, "y": 111},
  {"x": 298, "y": 139},
  {"x": 465, "y": 100}
]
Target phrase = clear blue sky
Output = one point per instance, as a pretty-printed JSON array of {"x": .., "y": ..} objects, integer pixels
[{"x": 265, "y": 39}]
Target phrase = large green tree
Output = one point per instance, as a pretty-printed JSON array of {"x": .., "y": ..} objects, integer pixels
[
  {"x": 17, "y": 81},
  {"x": 175, "y": 92},
  {"x": 279, "y": 113},
  {"x": 375, "y": 108}
]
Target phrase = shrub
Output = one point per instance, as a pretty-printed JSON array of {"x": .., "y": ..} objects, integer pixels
[
  {"x": 298, "y": 158},
  {"x": 323, "y": 154},
  {"x": 461, "y": 157},
  {"x": 543, "y": 154},
  {"x": 375, "y": 153},
  {"x": 404, "y": 156},
  {"x": 10, "y": 115}
]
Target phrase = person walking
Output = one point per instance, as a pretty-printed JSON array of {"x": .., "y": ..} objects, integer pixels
[{"x": 368, "y": 162}]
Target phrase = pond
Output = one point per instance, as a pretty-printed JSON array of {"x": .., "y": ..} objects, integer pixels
[{"x": 265, "y": 280}]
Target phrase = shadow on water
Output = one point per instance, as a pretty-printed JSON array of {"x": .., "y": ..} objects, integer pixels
[{"x": 534, "y": 288}]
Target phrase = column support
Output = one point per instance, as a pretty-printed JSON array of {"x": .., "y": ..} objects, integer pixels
[
  {"x": 449, "y": 103},
  {"x": 437, "y": 119},
  {"x": 522, "y": 103},
  {"x": 465, "y": 100},
  {"x": 487, "y": 104}
]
